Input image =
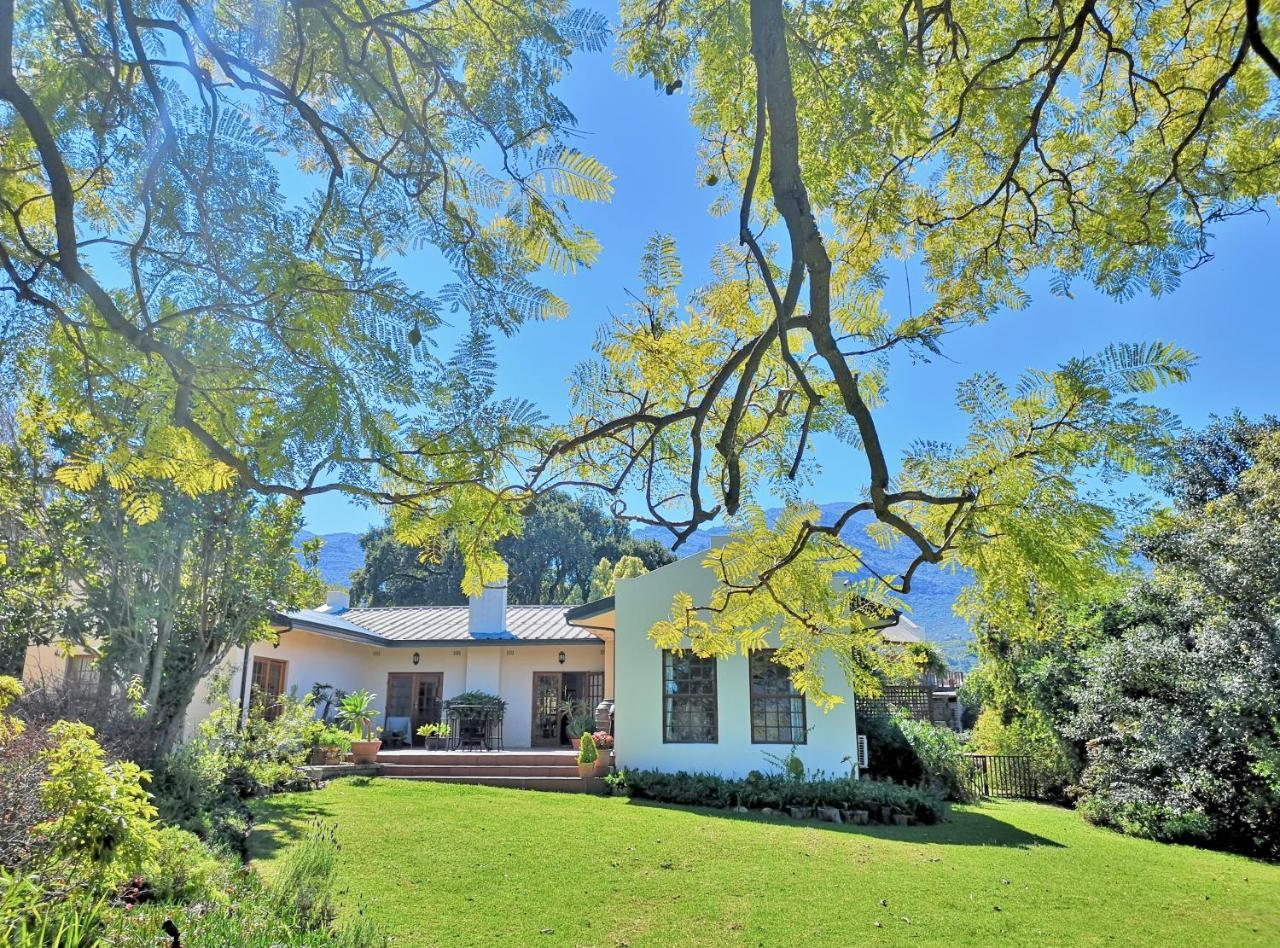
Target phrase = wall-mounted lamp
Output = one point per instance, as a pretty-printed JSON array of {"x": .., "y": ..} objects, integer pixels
[
  {"x": 562, "y": 658},
  {"x": 416, "y": 658}
]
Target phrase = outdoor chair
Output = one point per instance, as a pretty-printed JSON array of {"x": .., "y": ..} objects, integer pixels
[{"x": 399, "y": 731}]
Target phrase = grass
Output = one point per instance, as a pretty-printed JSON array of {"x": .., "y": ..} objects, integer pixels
[{"x": 443, "y": 864}]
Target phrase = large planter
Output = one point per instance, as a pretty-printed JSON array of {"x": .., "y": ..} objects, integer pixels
[
  {"x": 437, "y": 743},
  {"x": 575, "y": 743},
  {"x": 603, "y": 763},
  {"x": 365, "y": 752}
]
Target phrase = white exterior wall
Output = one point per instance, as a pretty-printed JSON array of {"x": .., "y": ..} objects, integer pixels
[
  {"x": 498, "y": 669},
  {"x": 518, "y": 666},
  {"x": 644, "y": 600}
]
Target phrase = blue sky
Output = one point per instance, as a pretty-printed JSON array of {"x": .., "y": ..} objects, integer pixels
[{"x": 1225, "y": 312}]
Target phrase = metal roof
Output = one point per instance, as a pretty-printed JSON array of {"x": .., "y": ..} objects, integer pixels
[{"x": 443, "y": 625}]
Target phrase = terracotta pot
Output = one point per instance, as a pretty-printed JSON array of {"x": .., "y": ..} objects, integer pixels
[
  {"x": 587, "y": 770},
  {"x": 575, "y": 743},
  {"x": 603, "y": 764},
  {"x": 365, "y": 752}
]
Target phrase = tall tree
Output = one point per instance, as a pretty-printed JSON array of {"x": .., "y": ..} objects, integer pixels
[
  {"x": 979, "y": 142},
  {"x": 201, "y": 201},
  {"x": 550, "y": 561},
  {"x": 164, "y": 583},
  {"x": 1177, "y": 709}
]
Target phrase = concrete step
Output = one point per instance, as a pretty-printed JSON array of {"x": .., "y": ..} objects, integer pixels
[
  {"x": 472, "y": 758},
  {"x": 478, "y": 770},
  {"x": 560, "y": 784}
]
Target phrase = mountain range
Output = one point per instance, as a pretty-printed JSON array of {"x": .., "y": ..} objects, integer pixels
[{"x": 933, "y": 590}]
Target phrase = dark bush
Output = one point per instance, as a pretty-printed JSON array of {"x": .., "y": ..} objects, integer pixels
[
  {"x": 891, "y": 756},
  {"x": 22, "y": 770}
]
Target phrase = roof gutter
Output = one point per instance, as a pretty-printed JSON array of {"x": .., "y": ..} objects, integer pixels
[{"x": 284, "y": 623}]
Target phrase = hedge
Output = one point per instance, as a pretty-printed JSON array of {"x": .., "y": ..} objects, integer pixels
[{"x": 777, "y": 791}]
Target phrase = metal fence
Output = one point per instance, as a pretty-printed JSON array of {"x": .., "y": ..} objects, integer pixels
[{"x": 1001, "y": 775}]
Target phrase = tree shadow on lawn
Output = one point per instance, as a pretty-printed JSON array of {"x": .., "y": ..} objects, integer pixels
[
  {"x": 290, "y": 819},
  {"x": 965, "y": 828}
]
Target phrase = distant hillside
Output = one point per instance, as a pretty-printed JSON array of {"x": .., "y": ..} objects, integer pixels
[
  {"x": 933, "y": 590},
  {"x": 339, "y": 557}
]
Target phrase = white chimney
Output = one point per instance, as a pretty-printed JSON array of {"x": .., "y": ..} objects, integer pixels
[
  {"x": 488, "y": 611},
  {"x": 336, "y": 599}
]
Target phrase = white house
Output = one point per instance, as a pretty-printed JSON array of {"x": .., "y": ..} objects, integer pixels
[{"x": 669, "y": 711}]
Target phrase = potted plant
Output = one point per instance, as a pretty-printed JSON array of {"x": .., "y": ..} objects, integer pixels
[
  {"x": 356, "y": 712},
  {"x": 435, "y": 736},
  {"x": 587, "y": 755},
  {"x": 331, "y": 746},
  {"x": 604, "y": 744},
  {"x": 582, "y": 719}
]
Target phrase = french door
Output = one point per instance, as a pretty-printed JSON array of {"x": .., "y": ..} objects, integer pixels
[
  {"x": 547, "y": 693},
  {"x": 416, "y": 696},
  {"x": 550, "y": 691}
]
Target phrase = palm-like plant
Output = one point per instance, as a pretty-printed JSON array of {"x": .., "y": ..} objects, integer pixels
[{"x": 356, "y": 711}]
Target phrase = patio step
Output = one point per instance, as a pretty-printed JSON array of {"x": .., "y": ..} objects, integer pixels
[
  {"x": 480, "y": 758},
  {"x": 573, "y": 784},
  {"x": 398, "y": 769}
]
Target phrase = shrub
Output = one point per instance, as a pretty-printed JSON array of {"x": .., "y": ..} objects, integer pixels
[
  {"x": 200, "y": 785},
  {"x": 891, "y": 755},
  {"x": 307, "y": 879},
  {"x": 184, "y": 869},
  {"x": 101, "y": 827},
  {"x": 1054, "y": 765},
  {"x": 587, "y": 753},
  {"x": 777, "y": 791},
  {"x": 941, "y": 755},
  {"x": 254, "y": 913},
  {"x": 22, "y": 771}
]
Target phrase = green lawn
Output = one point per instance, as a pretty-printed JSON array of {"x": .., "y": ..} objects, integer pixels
[{"x": 440, "y": 864}]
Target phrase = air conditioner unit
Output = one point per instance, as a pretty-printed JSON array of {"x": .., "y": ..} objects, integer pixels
[{"x": 863, "y": 755}]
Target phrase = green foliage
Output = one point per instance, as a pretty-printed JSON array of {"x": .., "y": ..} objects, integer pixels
[
  {"x": 201, "y": 785},
  {"x": 329, "y": 736},
  {"x": 10, "y": 725},
  {"x": 30, "y": 918},
  {"x": 941, "y": 755},
  {"x": 587, "y": 752},
  {"x": 581, "y": 714},
  {"x": 256, "y": 205},
  {"x": 479, "y": 703},
  {"x": 247, "y": 911},
  {"x": 1055, "y": 765},
  {"x": 357, "y": 712},
  {"x": 183, "y": 870},
  {"x": 778, "y": 791},
  {"x": 163, "y": 598},
  {"x": 307, "y": 877},
  {"x": 552, "y": 558},
  {"x": 1177, "y": 711},
  {"x": 101, "y": 827}
]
